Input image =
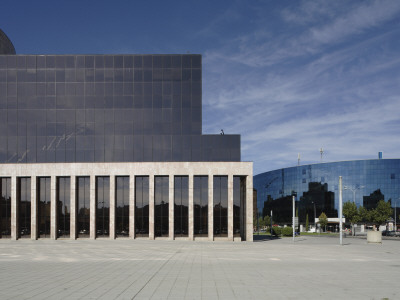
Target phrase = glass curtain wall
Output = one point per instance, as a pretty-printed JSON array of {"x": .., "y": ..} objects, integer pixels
[
  {"x": 161, "y": 205},
  {"x": 102, "y": 206},
  {"x": 239, "y": 200},
  {"x": 142, "y": 206},
  {"x": 181, "y": 206},
  {"x": 44, "y": 206},
  {"x": 63, "y": 207},
  {"x": 220, "y": 198},
  {"x": 200, "y": 201},
  {"x": 5, "y": 208},
  {"x": 24, "y": 204},
  {"x": 122, "y": 206},
  {"x": 83, "y": 204}
]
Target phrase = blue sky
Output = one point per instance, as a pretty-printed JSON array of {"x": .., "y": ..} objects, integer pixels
[{"x": 289, "y": 76}]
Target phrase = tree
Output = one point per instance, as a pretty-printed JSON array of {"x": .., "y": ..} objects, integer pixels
[
  {"x": 307, "y": 223},
  {"x": 261, "y": 222},
  {"x": 323, "y": 220},
  {"x": 267, "y": 221},
  {"x": 364, "y": 214},
  {"x": 351, "y": 213},
  {"x": 381, "y": 213}
]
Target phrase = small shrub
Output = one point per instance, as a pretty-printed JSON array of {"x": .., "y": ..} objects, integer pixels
[
  {"x": 277, "y": 230},
  {"x": 287, "y": 231}
]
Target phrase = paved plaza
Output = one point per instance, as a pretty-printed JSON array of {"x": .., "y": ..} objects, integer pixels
[{"x": 310, "y": 268}]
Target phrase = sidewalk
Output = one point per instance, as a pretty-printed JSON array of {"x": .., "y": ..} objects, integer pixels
[{"x": 310, "y": 268}]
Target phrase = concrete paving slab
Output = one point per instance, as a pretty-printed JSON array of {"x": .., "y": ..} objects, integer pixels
[{"x": 310, "y": 268}]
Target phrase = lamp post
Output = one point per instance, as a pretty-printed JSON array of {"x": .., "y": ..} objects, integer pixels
[
  {"x": 271, "y": 222},
  {"x": 315, "y": 217},
  {"x": 353, "y": 190},
  {"x": 395, "y": 221}
]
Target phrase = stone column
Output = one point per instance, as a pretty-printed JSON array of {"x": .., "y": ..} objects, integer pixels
[
  {"x": 151, "y": 207},
  {"x": 112, "y": 207},
  {"x": 73, "y": 212},
  {"x": 92, "y": 197},
  {"x": 249, "y": 208},
  {"x": 53, "y": 208},
  {"x": 132, "y": 207},
  {"x": 171, "y": 207},
  {"x": 34, "y": 208},
  {"x": 191, "y": 207},
  {"x": 14, "y": 209},
  {"x": 210, "y": 207},
  {"x": 230, "y": 208}
]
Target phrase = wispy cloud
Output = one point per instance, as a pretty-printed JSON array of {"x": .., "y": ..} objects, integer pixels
[{"x": 333, "y": 83}]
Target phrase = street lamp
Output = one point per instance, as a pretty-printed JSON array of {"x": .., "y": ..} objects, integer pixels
[
  {"x": 395, "y": 222},
  {"x": 315, "y": 217},
  {"x": 353, "y": 190}
]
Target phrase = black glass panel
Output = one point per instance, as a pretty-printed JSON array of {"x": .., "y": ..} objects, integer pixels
[
  {"x": 122, "y": 207},
  {"x": 5, "y": 208},
  {"x": 44, "y": 207},
  {"x": 200, "y": 202},
  {"x": 102, "y": 206},
  {"x": 142, "y": 206},
  {"x": 239, "y": 200},
  {"x": 83, "y": 205},
  {"x": 63, "y": 207},
  {"x": 181, "y": 206},
  {"x": 24, "y": 207},
  {"x": 220, "y": 200},
  {"x": 161, "y": 206}
]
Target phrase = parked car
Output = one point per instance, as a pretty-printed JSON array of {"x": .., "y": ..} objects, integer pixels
[{"x": 388, "y": 233}]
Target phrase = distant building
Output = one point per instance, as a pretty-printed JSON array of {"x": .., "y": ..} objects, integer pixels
[
  {"x": 316, "y": 187},
  {"x": 371, "y": 201}
]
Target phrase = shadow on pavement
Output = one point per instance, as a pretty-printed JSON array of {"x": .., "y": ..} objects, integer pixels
[{"x": 264, "y": 238}]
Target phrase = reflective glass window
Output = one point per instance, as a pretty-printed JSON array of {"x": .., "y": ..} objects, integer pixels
[
  {"x": 181, "y": 206},
  {"x": 5, "y": 208},
  {"x": 239, "y": 203},
  {"x": 220, "y": 200},
  {"x": 200, "y": 206},
  {"x": 122, "y": 206},
  {"x": 83, "y": 205},
  {"x": 63, "y": 207},
  {"x": 161, "y": 206},
  {"x": 24, "y": 207},
  {"x": 141, "y": 206},
  {"x": 44, "y": 206},
  {"x": 102, "y": 206}
]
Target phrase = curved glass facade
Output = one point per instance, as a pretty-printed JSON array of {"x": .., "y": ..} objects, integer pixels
[{"x": 316, "y": 187}]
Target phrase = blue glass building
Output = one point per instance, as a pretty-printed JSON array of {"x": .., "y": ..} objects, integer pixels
[{"x": 316, "y": 187}]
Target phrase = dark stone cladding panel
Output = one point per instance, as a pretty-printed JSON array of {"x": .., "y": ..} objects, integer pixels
[{"x": 105, "y": 108}]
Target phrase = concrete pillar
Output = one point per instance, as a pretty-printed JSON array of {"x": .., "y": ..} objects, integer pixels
[
  {"x": 191, "y": 207},
  {"x": 210, "y": 207},
  {"x": 92, "y": 197},
  {"x": 73, "y": 212},
  {"x": 53, "y": 208},
  {"x": 14, "y": 209},
  {"x": 151, "y": 207},
  {"x": 112, "y": 207},
  {"x": 132, "y": 207},
  {"x": 249, "y": 208},
  {"x": 34, "y": 208},
  {"x": 230, "y": 208},
  {"x": 171, "y": 206}
]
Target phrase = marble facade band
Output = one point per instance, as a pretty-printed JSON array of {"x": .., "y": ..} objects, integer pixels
[{"x": 112, "y": 170}]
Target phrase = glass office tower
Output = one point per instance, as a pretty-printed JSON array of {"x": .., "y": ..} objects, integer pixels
[{"x": 365, "y": 182}]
